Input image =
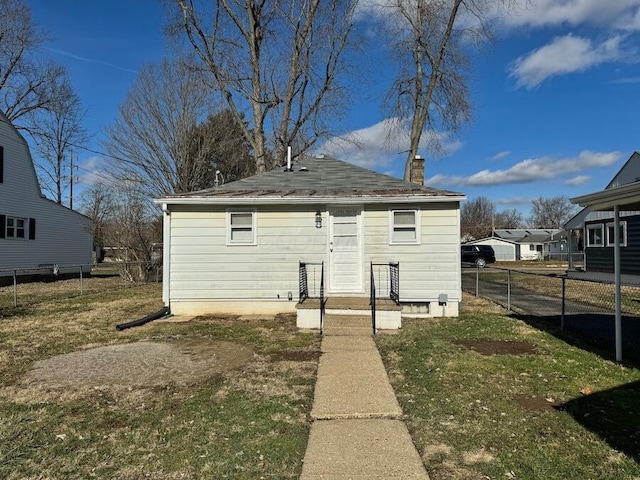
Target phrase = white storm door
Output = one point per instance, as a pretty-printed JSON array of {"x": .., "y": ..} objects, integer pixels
[{"x": 345, "y": 256}]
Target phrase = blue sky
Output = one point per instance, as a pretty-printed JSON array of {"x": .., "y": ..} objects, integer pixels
[{"x": 555, "y": 98}]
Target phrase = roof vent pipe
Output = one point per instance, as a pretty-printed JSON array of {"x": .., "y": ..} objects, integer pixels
[{"x": 289, "y": 159}]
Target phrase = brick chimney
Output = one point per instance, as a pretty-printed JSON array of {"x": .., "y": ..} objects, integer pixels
[{"x": 416, "y": 175}]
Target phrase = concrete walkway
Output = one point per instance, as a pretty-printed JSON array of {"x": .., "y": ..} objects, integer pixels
[{"x": 357, "y": 431}]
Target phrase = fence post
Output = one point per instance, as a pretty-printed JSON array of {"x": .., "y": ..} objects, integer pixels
[
  {"x": 564, "y": 290},
  {"x": 15, "y": 288},
  {"x": 81, "y": 292},
  {"x": 509, "y": 290},
  {"x": 477, "y": 279}
]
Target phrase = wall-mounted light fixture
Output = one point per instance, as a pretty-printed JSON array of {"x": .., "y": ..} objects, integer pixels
[{"x": 318, "y": 219}]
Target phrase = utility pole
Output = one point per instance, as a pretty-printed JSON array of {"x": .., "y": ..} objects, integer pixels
[{"x": 71, "y": 181}]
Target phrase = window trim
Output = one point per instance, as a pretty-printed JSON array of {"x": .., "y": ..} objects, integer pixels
[
  {"x": 623, "y": 240},
  {"x": 254, "y": 240},
  {"x": 415, "y": 226},
  {"x": 14, "y": 228},
  {"x": 595, "y": 226}
]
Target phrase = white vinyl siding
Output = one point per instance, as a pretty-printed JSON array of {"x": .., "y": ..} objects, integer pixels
[
  {"x": 204, "y": 267},
  {"x": 62, "y": 236},
  {"x": 427, "y": 268}
]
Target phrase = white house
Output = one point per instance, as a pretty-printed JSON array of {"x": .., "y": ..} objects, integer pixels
[
  {"x": 505, "y": 250},
  {"x": 240, "y": 247},
  {"x": 34, "y": 231}
]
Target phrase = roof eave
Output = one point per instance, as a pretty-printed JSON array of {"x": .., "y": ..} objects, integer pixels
[
  {"x": 625, "y": 195},
  {"x": 368, "y": 199}
]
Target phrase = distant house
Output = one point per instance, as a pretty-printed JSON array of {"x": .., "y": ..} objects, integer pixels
[
  {"x": 241, "y": 247},
  {"x": 523, "y": 243},
  {"x": 34, "y": 231},
  {"x": 505, "y": 250},
  {"x": 591, "y": 231}
]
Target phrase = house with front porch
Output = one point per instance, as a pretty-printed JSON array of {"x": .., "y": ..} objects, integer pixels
[
  {"x": 591, "y": 232},
  {"x": 320, "y": 228}
]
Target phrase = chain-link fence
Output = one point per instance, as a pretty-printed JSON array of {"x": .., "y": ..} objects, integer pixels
[
  {"x": 581, "y": 308},
  {"x": 33, "y": 285}
]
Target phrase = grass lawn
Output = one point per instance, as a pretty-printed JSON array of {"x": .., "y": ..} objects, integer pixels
[
  {"x": 545, "y": 410},
  {"x": 249, "y": 420}
]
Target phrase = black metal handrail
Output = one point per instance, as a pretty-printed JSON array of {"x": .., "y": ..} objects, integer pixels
[
  {"x": 303, "y": 281},
  {"x": 387, "y": 281},
  {"x": 323, "y": 300},
  {"x": 373, "y": 300},
  {"x": 394, "y": 274},
  {"x": 303, "y": 290}
]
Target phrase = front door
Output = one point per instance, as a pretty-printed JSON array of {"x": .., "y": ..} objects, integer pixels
[{"x": 345, "y": 256}]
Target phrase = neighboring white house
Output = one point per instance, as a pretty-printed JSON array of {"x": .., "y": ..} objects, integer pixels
[
  {"x": 531, "y": 243},
  {"x": 34, "y": 231},
  {"x": 237, "y": 248},
  {"x": 505, "y": 250},
  {"x": 525, "y": 243}
]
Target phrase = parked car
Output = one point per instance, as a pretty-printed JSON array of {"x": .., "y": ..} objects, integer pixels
[{"x": 479, "y": 255}]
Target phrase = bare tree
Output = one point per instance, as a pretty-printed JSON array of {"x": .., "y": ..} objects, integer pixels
[
  {"x": 125, "y": 220},
  {"x": 551, "y": 212},
  {"x": 430, "y": 41},
  {"x": 56, "y": 131},
  {"x": 154, "y": 139},
  {"x": 508, "y": 219},
  {"x": 476, "y": 218},
  {"x": 98, "y": 203},
  {"x": 280, "y": 61},
  {"x": 133, "y": 229},
  {"x": 27, "y": 82}
]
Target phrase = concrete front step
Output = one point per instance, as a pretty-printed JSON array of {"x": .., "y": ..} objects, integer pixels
[
  {"x": 347, "y": 331},
  {"x": 347, "y": 325}
]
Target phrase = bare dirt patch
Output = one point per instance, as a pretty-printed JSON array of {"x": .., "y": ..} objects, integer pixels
[
  {"x": 535, "y": 404},
  {"x": 499, "y": 347},
  {"x": 139, "y": 365},
  {"x": 296, "y": 356}
]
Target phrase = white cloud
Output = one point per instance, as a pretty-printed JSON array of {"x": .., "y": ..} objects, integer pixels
[
  {"x": 627, "y": 80},
  {"x": 531, "y": 170},
  {"x": 91, "y": 171},
  {"x": 501, "y": 155},
  {"x": 513, "y": 201},
  {"x": 562, "y": 56},
  {"x": 379, "y": 145},
  {"x": 578, "y": 180},
  {"x": 615, "y": 14}
]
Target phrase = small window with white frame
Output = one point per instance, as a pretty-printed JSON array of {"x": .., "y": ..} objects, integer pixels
[
  {"x": 595, "y": 235},
  {"x": 241, "y": 227},
  {"x": 404, "y": 226},
  {"x": 16, "y": 228},
  {"x": 611, "y": 233}
]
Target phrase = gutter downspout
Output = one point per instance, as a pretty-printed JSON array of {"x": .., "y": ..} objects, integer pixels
[{"x": 166, "y": 254}]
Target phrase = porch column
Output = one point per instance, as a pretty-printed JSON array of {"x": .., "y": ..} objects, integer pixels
[{"x": 616, "y": 270}]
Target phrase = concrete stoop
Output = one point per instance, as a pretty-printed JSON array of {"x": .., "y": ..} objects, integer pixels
[{"x": 388, "y": 314}]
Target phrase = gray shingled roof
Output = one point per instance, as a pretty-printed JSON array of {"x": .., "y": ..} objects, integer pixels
[
  {"x": 318, "y": 177},
  {"x": 531, "y": 235}
]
